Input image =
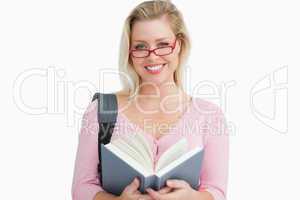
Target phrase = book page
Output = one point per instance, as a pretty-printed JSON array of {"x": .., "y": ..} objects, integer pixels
[
  {"x": 171, "y": 154},
  {"x": 139, "y": 146},
  {"x": 140, "y": 137},
  {"x": 184, "y": 158},
  {"x": 130, "y": 151},
  {"x": 128, "y": 159}
]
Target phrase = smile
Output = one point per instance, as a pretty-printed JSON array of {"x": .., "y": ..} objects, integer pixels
[{"x": 155, "y": 69}]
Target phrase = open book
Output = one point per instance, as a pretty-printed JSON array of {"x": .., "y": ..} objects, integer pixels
[{"x": 128, "y": 157}]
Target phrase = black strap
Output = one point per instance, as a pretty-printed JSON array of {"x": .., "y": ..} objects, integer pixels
[{"x": 107, "y": 116}]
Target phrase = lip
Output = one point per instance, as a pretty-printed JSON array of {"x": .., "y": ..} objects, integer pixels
[
  {"x": 155, "y": 71},
  {"x": 151, "y": 65}
]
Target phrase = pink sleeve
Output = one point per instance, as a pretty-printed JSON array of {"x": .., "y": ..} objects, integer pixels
[
  {"x": 214, "y": 171},
  {"x": 85, "y": 180}
]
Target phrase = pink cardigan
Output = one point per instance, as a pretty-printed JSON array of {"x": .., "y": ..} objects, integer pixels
[{"x": 203, "y": 124}]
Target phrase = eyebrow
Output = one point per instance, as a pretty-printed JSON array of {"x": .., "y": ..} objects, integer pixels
[{"x": 157, "y": 40}]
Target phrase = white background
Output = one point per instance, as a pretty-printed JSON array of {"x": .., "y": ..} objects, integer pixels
[{"x": 242, "y": 42}]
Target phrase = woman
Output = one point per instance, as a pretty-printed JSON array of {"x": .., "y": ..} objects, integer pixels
[{"x": 154, "y": 48}]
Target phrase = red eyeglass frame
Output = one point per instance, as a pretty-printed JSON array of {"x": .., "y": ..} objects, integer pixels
[{"x": 153, "y": 50}]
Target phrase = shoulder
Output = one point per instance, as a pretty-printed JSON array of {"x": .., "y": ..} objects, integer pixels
[
  {"x": 208, "y": 111},
  {"x": 91, "y": 111},
  {"x": 92, "y": 108},
  {"x": 205, "y": 106},
  {"x": 212, "y": 114}
]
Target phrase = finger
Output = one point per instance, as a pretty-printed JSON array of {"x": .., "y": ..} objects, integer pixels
[
  {"x": 133, "y": 186},
  {"x": 145, "y": 197},
  {"x": 137, "y": 192},
  {"x": 174, "y": 183},
  {"x": 155, "y": 195},
  {"x": 165, "y": 190}
]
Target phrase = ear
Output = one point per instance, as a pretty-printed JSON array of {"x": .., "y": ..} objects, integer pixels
[{"x": 178, "y": 45}]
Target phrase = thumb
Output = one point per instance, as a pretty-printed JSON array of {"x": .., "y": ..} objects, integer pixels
[
  {"x": 133, "y": 186},
  {"x": 165, "y": 190},
  {"x": 176, "y": 183}
]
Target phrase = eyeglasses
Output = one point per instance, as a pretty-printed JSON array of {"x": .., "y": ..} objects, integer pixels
[{"x": 160, "y": 51}]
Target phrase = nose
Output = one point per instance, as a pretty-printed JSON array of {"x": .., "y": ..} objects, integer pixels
[{"x": 152, "y": 56}]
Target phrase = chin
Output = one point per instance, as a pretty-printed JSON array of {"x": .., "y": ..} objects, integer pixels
[{"x": 156, "y": 80}]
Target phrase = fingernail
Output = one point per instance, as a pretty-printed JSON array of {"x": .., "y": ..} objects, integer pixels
[{"x": 136, "y": 180}]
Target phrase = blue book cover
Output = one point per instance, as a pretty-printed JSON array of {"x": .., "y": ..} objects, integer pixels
[{"x": 119, "y": 168}]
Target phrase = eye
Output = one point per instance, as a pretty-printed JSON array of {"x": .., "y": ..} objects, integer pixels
[
  {"x": 163, "y": 44},
  {"x": 140, "y": 46}
]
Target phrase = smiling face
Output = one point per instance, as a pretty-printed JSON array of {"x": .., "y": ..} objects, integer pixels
[{"x": 152, "y": 34}]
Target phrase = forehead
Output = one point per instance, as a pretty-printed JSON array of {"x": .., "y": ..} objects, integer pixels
[{"x": 150, "y": 30}]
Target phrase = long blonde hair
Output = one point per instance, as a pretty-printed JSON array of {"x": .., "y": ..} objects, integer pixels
[{"x": 149, "y": 10}]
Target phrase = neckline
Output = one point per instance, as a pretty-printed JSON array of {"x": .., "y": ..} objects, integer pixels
[{"x": 173, "y": 126}]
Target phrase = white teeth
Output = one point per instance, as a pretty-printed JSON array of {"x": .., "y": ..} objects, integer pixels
[{"x": 154, "y": 67}]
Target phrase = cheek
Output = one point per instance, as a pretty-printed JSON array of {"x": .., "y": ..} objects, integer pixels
[
  {"x": 137, "y": 63},
  {"x": 173, "y": 61}
]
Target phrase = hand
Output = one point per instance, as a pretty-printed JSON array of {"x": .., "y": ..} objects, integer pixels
[
  {"x": 131, "y": 192},
  {"x": 177, "y": 190}
]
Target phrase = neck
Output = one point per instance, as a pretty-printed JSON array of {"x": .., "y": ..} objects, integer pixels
[
  {"x": 158, "y": 92},
  {"x": 152, "y": 97}
]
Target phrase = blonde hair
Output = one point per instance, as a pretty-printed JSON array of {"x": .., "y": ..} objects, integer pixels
[{"x": 149, "y": 10}]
